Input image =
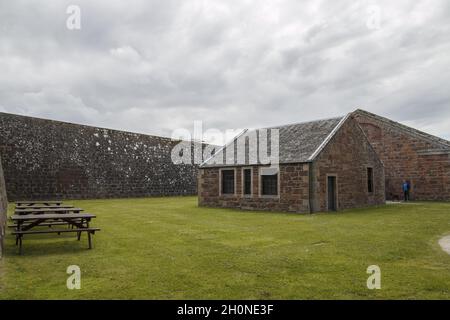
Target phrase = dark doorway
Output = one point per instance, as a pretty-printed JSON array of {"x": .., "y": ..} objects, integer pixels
[{"x": 331, "y": 187}]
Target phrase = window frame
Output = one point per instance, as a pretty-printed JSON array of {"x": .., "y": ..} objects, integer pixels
[
  {"x": 221, "y": 185},
  {"x": 243, "y": 182},
  {"x": 260, "y": 183}
]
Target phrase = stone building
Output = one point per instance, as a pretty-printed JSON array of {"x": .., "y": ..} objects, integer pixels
[
  {"x": 323, "y": 165},
  {"x": 411, "y": 155}
]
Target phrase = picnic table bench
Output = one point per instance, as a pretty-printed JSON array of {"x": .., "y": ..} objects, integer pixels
[
  {"x": 45, "y": 202},
  {"x": 47, "y": 210},
  {"x": 43, "y": 207},
  {"x": 40, "y": 209},
  {"x": 79, "y": 221}
]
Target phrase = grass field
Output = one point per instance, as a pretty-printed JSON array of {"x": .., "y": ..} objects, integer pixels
[{"x": 168, "y": 248}]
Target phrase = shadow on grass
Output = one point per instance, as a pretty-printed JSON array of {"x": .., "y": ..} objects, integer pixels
[
  {"x": 46, "y": 245},
  {"x": 42, "y": 250}
]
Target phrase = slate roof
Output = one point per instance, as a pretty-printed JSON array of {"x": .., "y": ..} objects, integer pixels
[
  {"x": 299, "y": 142},
  {"x": 302, "y": 142},
  {"x": 436, "y": 141}
]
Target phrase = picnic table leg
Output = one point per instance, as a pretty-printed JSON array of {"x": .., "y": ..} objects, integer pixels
[
  {"x": 79, "y": 232},
  {"x": 89, "y": 234},
  {"x": 89, "y": 239},
  {"x": 18, "y": 227},
  {"x": 72, "y": 226},
  {"x": 20, "y": 244}
]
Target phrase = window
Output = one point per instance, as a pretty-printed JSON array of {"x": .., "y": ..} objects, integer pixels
[
  {"x": 370, "y": 180},
  {"x": 227, "y": 181},
  {"x": 247, "y": 182},
  {"x": 269, "y": 185}
]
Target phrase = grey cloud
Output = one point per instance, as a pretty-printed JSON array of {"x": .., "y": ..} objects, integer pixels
[{"x": 154, "y": 66}]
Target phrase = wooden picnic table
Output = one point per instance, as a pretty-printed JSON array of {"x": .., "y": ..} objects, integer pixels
[
  {"x": 48, "y": 210},
  {"x": 43, "y": 207},
  {"x": 79, "y": 222},
  {"x": 45, "y": 202}
]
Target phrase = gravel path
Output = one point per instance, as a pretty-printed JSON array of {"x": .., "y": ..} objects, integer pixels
[{"x": 445, "y": 244}]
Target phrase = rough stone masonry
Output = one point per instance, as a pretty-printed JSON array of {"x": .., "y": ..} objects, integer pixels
[
  {"x": 3, "y": 208},
  {"x": 409, "y": 154},
  {"x": 45, "y": 159}
]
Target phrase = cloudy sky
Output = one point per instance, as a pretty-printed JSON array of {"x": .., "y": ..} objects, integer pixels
[{"x": 154, "y": 66}]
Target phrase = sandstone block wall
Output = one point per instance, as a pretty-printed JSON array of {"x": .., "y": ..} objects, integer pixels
[
  {"x": 347, "y": 156},
  {"x": 44, "y": 159},
  {"x": 293, "y": 190},
  {"x": 3, "y": 208},
  {"x": 409, "y": 155}
]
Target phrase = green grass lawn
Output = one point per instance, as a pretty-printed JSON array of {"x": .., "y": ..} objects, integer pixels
[{"x": 168, "y": 248}]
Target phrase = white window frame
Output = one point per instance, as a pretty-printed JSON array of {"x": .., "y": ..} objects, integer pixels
[
  {"x": 268, "y": 196},
  {"x": 220, "y": 183}
]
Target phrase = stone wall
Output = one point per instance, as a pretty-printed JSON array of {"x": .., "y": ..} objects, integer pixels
[
  {"x": 3, "y": 208},
  {"x": 293, "y": 190},
  {"x": 44, "y": 159},
  {"x": 347, "y": 156},
  {"x": 410, "y": 155}
]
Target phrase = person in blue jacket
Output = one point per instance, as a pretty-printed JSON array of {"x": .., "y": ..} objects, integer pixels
[{"x": 406, "y": 188}]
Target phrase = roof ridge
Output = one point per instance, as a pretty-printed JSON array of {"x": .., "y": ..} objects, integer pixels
[
  {"x": 404, "y": 127},
  {"x": 301, "y": 122}
]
